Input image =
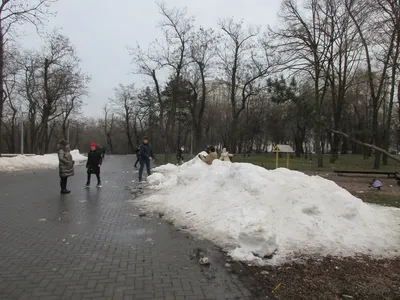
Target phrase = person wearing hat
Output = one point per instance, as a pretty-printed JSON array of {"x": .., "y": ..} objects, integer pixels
[
  {"x": 93, "y": 164},
  {"x": 65, "y": 164},
  {"x": 146, "y": 155}
]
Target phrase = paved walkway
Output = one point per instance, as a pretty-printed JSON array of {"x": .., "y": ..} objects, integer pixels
[{"x": 91, "y": 244}]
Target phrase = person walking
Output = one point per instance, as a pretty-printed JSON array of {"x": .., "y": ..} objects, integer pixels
[
  {"x": 179, "y": 155},
  {"x": 146, "y": 156},
  {"x": 93, "y": 164},
  {"x": 65, "y": 164},
  {"x": 137, "y": 156}
]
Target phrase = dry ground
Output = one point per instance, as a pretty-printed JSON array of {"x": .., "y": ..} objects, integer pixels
[{"x": 330, "y": 278}]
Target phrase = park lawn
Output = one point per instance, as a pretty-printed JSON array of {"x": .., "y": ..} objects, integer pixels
[
  {"x": 350, "y": 162},
  {"x": 377, "y": 197}
]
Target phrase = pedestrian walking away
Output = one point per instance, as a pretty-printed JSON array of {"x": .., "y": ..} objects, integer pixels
[
  {"x": 65, "y": 164},
  {"x": 146, "y": 156},
  {"x": 179, "y": 155},
  {"x": 93, "y": 164},
  {"x": 137, "y": 156}
]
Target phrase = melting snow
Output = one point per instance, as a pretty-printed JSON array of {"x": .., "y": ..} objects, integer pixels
[
  {"x": 253, "y": 212},
  {"x": 47, "y": 161}
]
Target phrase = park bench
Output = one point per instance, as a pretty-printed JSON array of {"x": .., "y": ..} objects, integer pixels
[{"x": 394, "y": 175}]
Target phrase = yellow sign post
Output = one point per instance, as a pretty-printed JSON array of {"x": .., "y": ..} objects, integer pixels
[
  {"x": 285, "y": 149},
  {"x": 276, "y": 150}
]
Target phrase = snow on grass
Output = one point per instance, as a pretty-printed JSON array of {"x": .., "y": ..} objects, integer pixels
[
  {"x": 47, "y": 161},
  {"x": 253, "y": 212}
]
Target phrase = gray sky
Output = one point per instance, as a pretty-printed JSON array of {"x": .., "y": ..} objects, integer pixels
[{"x": 101, "y": 30}]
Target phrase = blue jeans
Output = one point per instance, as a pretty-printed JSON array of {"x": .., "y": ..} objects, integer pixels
[{"x": 144, "y": 162}]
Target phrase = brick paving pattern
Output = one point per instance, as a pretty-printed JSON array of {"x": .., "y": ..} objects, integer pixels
[{"x": 91, "y": 244}]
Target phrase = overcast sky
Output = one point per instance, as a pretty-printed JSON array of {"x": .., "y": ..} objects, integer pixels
[{"x": 101, "y": 30}]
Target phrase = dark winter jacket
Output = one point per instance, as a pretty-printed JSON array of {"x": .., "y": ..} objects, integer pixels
[
  {"x": 145, "y": 152},
  {"x": 94, "y": 160},
  {"x": 179, "y": 154},
  {"x": 65, "y": 161}
]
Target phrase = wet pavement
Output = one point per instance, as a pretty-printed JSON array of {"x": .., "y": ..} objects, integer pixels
[{"x": 92, "y": 243}]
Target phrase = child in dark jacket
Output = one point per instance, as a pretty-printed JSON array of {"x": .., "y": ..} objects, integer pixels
[{"x": 93, "y": 164}]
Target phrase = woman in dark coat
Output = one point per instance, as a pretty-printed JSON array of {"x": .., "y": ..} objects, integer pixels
[
  {"x": 65, "y": 164},
  {"x": 93, "y": 164}
]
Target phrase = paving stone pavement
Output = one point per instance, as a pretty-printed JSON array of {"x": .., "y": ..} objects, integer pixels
[{"x": 91, "y": 244}]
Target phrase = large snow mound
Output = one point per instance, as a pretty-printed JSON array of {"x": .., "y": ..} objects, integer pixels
[
  {"x": 253, "y": 212},
  {"x": 47, "y": 161}
]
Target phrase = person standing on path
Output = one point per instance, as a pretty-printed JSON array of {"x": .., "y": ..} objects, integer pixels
[
  {"x": 93, "y": 164},
  {"x": 137, "y": 156},
  {"x": 65, "y": 164},
  {"x": 146, "y": 155}
]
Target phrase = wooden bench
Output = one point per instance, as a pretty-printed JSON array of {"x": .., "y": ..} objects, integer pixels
[{"x": 394, "y": 175}]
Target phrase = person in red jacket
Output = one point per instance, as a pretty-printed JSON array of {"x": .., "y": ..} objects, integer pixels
[{"x": 93, "y": 164}]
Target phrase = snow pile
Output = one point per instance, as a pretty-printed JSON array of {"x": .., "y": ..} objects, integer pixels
[
  {"x": 254, "y": 213},
  {"x": 47, "y": 161}
]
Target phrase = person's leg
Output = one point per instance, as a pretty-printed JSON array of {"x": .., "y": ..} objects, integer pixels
[
  {"x": 98, "y": 178},
  {"x": 63, "y": 183},
  {"x": 141, "y": 170},
  {"x": 148, "y": 167},
  {"x": 89, "y": 175}
]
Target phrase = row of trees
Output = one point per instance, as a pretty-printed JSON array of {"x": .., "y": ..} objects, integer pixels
[
  {"x": 40, "y": 88},
  {"x": 328, "y": 68},
  {"x": 326, "y": 73}
]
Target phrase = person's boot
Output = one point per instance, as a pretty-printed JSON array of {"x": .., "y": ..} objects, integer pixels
[
  {"x": 98, "y": 184},
  {"x": 87, "y": 184},
  {"x": 64, "y": 188}
]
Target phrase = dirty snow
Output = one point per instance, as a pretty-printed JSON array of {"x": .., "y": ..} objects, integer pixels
[
  {"x": 253, "y": 212},
  {"x": 47, "y": 161}
]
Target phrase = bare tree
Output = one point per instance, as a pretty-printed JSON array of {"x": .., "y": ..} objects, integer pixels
[
  {"x": 305, "y": 47},
  {"x": 379, "y": 44},
  {"x": 245, "y": 59},
  {"x": 344, "y": 59},
  {"x": 108, "y": 125},
  {"x": 202, "y": 53},
  {"x": 61, "y": 80},
  {"x": 124, "y": 102},
  {"x": 14, "y": 13},
  {"x": 171, "y": 54}
]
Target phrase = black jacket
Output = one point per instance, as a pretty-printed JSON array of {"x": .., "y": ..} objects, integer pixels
[
  {"x": 94, "y": 160},
  {"x": 146, "y": 152}
]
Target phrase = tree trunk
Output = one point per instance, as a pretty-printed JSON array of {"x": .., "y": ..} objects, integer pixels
[
  {"x": 2, "y": 96},
  {"x": 44, "y": 134},
  {"x": 375, "y": 137},
  {"x": 318, "y": 148}
]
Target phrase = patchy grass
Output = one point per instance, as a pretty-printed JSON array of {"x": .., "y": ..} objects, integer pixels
[
  {"x": 348, "y": 162},
  {"x": 384, "y": 199}
]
